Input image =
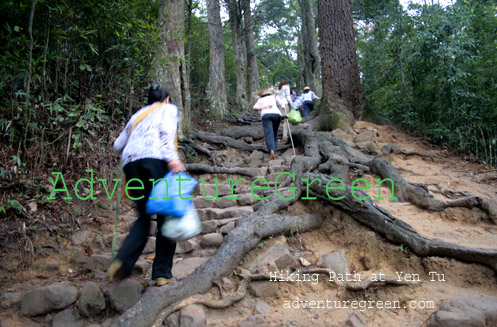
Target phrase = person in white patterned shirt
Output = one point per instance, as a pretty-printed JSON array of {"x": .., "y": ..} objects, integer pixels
[
  {"x": 147, "y": 148},
  {"x": 271, "y": 116}
]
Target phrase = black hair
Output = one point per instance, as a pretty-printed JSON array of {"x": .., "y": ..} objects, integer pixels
[
  {"x": 157, "y": 94},
  {"x": 306, "y": 91}
]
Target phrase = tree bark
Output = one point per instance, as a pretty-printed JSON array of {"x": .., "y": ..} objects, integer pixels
[
  {"x": 169, "y": 66},
  {"x": 342, "y": 99},
  {"x": 252, "y": 69},
  {"x": 216, "y": 88},
  {"x": 236, "y": 23},
  {"x": 311, "y": 60}
]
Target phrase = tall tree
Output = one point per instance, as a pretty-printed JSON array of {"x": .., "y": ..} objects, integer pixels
[
  {"x": 216, "y": 88},
  {"x": 252, "y": 69},
  {"x": 236, "y": 23},
  {"x": 310, "y": 55},
  {"x": 342, "y": 100},
  {"x": 169, "y": 66}
]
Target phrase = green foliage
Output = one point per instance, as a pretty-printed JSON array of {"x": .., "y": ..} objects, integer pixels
[
  {"x": 88, "y": 63},
  {"x": 432, "y": 70},
  {"x": 277, "y": 28}
]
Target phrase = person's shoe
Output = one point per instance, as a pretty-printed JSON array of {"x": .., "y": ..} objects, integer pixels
[
  {"x": 114, "y": 270},
  {"x": 272, "y": 155},
  {"x": 161, "y": 281}
]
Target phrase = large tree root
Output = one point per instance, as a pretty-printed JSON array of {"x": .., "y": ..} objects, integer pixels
[
  {"x": 421, "y": 197},
  {"x": 232, "y": 143},
  {"x": 317, "y": 144},
  {"x": 206, "y": 169},
  {"x": 393, "y": 229},
  {"x": 246, "y": 120},
  {"x": 202, "y": 299},
  {"x": 255, "y": 132},
  {"x": 244, "y": 237},
  {"x": 395, "y": 149},
  {"x": 377, "y": 279}
]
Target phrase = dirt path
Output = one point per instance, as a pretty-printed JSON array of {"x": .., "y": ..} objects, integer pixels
[{"x": 277, "y": 303}]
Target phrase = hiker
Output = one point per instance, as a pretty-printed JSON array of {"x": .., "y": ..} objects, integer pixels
[
  {"x": 271, "y": 118},
  {"x": 308, "y": 98},
  {"x": 284, "y": 95},
  {"x": 297, "y": 104},
  {"x": 293, "y": 95},
  {"x": 147, "y": 147}
]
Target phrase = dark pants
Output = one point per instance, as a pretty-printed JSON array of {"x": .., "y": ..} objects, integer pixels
[
  {"x": 133, "y": 245},
  {"x": 308, "y": 106},
  {"x": 271, "y": 123}
]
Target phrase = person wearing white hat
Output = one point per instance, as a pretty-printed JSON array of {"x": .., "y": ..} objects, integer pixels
[
  {"x": 271, "y": 116},
  {"x": 308, "y": 98}
]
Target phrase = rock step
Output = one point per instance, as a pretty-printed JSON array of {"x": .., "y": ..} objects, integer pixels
[
  {"x": 224, "y": 225},
  {"x": 220, "y": 214},
  {"x": 244, "y": 199}
]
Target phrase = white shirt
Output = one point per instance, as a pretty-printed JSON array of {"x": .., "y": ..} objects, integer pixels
[
  {"x": 309, "y": 96},
  {"x": 152, "y": 137},
  {"x": 268, "y": 105},
  {"x": 285, "y": 93}
]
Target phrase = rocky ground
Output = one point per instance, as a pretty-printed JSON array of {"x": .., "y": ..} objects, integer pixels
[{"x": 67, "y": 285}]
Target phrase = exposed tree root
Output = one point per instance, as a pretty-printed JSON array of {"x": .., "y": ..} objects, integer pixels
[
  {"x": 245, "y": 236},
  {"x": 318, "y": 144},
  {"x": 395, "y": 149},
  {"x": 210, "y": 154},
  {"x": 370, "y": 281},
  {"x": 256, "y": 133},
  {"x": 451, "y": 194},
  {"x": 408, "y": 171},
  {"x": 202, "y": 299},
  {"x": 395, "y": 230},
  {"x": 206, "y": 169},
  {"x": 421, "y": 197},
  {"x": 348, "y": 285},
  {"x": 230, "y": 142},
  {"x": 246, "y": 120}
]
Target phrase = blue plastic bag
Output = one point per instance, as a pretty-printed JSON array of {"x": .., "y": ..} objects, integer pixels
[{"x": 165, "y": 197}]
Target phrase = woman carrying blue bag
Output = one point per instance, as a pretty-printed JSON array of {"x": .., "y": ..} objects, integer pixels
[{"x": 147, "y": 148}]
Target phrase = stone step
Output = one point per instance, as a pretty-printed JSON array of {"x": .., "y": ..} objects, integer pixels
[
  {"x": 219, "y": 214},
  {"x": 211, "y": 226},
  {"x": 245, "y": 199}
]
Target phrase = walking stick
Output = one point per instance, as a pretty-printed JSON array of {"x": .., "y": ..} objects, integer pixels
[{"x": 290, "y": 134}]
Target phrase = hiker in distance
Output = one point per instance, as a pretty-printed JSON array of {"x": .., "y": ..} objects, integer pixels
[
  {"x": 269, "y": 105},
  {"x": 308, "y": 98},
  {"x": 284, "y": 96},
  {"x": 147, "y": 148}
]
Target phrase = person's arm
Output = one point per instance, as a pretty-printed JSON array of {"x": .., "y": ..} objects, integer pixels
[
  {"x": 314, "y": 96},
  {"x": 122, "y": 140}
]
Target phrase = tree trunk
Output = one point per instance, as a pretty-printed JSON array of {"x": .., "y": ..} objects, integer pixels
[
  {"x": 169, "y": 66},
  {"x": 27, "y": 112},
  {"x": 216, "y": 88},
  {"x": 342, "y": 99},
  {"x": 301, "y": 61},
  {"x": 312, "y": 69},
  {"x": 189, "y": 12},
  {"x": 236, "y": 24},
  {"x": 252, "y": 69}
]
